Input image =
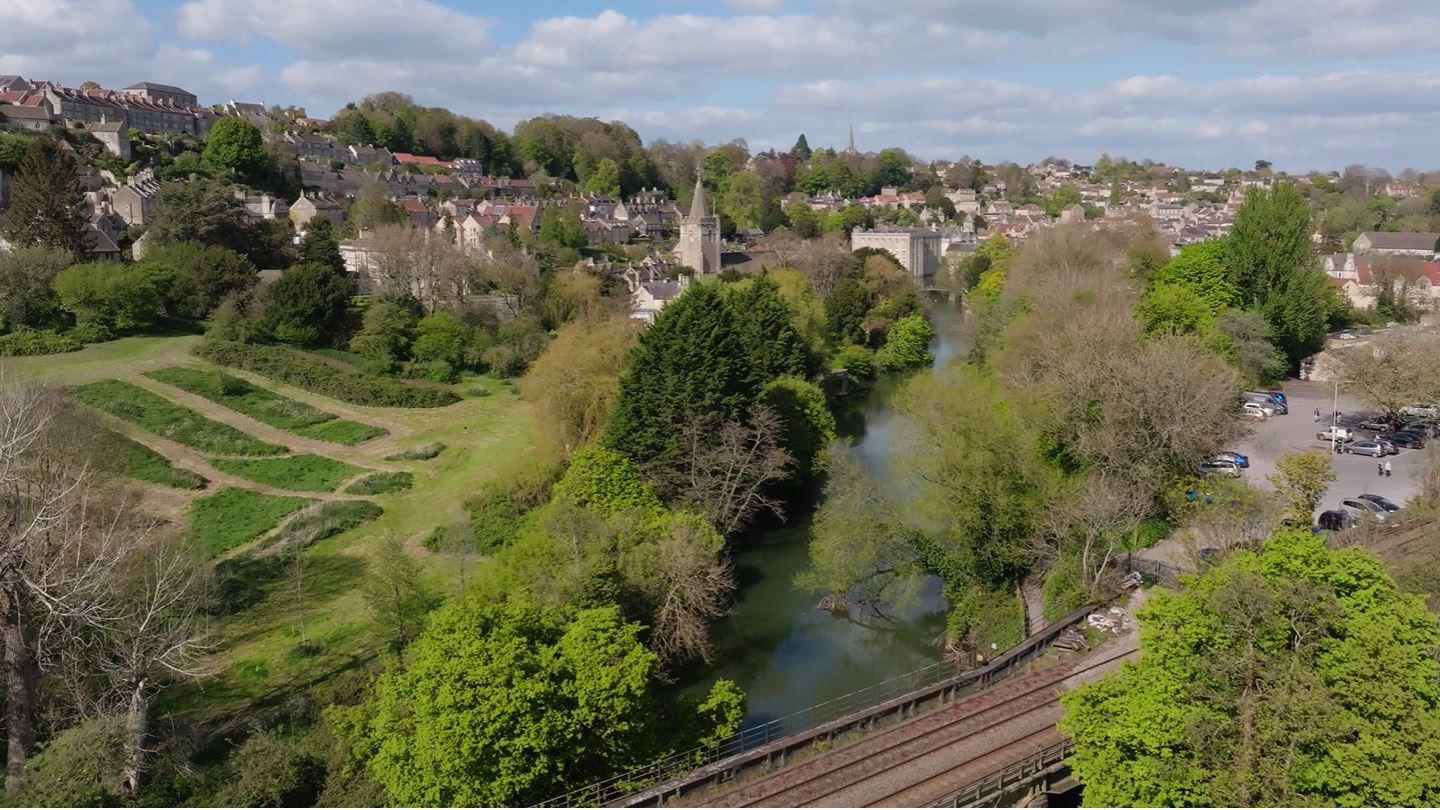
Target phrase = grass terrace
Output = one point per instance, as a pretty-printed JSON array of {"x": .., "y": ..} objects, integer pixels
[
  {"x": 164, "y": 418},
  {"x": 266, "y": 406},
  {"x": 233, "y": 517},
  {"x": 301, "y": 473}
]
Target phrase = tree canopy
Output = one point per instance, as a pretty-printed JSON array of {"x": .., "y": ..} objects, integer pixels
[{"x": 46, "y": 206}]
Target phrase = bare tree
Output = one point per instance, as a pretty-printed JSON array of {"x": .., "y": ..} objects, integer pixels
[
  {"x": 727, "y": 469},
  {"x": 684, "y": 576},
  {"x": 1392, "y": 371},
  {"x": 61, "y": 545},
  {"x": 414, "y": 261},
  {"x": 1095, "y": 519},
  {"x": 160, "y": 635}
]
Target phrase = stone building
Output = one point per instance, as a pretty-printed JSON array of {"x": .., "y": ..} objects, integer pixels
[
  {"x": 699, "y": 247},
  {"x": 917, "y": 249}
]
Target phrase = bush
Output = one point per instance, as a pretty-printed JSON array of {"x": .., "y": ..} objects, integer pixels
[
  {"x": 234, "y": 516},
  {"x": 422, "y": 453},
  {"x": 809, "y": 425},
  {"x": 320, "y": 377},
  {"x": 497, "y": 511},
  {"x": 435, "y": 371},
  {"x": 382, "y": 483},
  {"x": 32, "y": 343},
  {"x": 272, "y": 770},
  {"x": 166, "y": 419},
  {"x": 116, "y": 296},
  {"x": 325, "y": 520},
  {"x": 301, "y": 473},
  {"x": 79, "y": 767},
  {"x": 266, "y": 406},
  {"x": 858, "y": 361},
  {"x": 239, "y": 583},
  {"x": 307, "y": 304},
  {"x": 198, "y": 277}
]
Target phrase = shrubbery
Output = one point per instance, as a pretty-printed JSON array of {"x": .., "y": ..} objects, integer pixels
[
  {"x": 320, "y": 377},
  {"x": 33, "y": 342}
]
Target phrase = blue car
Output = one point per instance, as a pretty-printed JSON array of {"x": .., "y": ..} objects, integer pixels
[{"x": 1241, "y": 460}]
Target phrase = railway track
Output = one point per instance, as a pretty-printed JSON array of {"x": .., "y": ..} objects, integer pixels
[{"x": 937, "y": 753}]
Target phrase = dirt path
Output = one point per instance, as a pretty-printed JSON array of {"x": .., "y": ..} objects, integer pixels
[{"x": 1031, "y": 591}]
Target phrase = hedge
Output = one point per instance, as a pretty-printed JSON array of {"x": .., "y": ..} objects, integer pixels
[
  {"x": 32, "y": 343},
  {"x": 318, "y": 376}
]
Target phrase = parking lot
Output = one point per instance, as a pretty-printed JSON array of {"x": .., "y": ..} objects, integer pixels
[{"x": 1266, "y": 442}]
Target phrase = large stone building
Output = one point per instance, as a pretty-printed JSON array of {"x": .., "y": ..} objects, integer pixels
[
  {"x": 699, "y": 246},
  {"x": 917, "y": 249},
  {"x": 1413, "y": 245}
]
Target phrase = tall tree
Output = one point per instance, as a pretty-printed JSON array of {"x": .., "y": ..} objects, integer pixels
[
  {"x": 690, "y": 363},
  {"x": 46, "y": 205},
  {"x": 763, "y": 325},
  {"x": 396, "y": 595},
  {"x": 234, "y": 144},
  {"x": 1292, "y": 676},
  {"x": 801, "y": 149},
  {"x": 306, "y": 306},
  {"x": 320, "y": 246}
]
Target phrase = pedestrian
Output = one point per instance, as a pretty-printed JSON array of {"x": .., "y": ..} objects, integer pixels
[
  {"x": 1387, "y": 469},
  {"x": 1317, "y": 414},
  {"x": 1380, "y": 468}
]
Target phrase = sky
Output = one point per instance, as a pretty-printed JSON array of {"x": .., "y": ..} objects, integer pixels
[{"x": 1305, "y": 84}]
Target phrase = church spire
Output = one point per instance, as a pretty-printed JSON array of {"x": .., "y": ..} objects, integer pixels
[
  {"x": 850, "y": 149},
  {"x": 698, "y": 205}
]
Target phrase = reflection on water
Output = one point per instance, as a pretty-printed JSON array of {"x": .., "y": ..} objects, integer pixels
[{"x": 785, "y": 652}]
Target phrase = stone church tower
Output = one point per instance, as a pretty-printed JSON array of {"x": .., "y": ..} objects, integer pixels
[{"x": 699, "y": 246}]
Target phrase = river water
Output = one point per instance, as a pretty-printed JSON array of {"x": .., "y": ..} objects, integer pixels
[{"x": 784, "y": 651}]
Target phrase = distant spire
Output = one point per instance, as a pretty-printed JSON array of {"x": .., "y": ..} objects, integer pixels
[
  {"x": 850, "y": 148},
  {"x": 697, "y": 203}
]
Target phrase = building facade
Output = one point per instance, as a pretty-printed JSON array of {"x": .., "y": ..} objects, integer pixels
[
  {"x": 699, "y": 247},
  {"x": 918, "y": 250}
]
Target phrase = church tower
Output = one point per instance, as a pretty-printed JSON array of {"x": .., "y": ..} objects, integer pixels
[{"x": 699, "y": 246}]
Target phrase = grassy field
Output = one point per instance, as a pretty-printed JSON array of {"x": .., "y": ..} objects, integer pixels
[
  {"x": 266, "y": 406},
  {"x": 120, "y": 455},
  {"x": 302, "y": 473},
  {"x": 235, "y": 516},
  {"x": 257, "y": 660},
  {"x": 382, "y": 483},
  {"x": 164, "y": 418},
  {"x": 326, "y": 520}
]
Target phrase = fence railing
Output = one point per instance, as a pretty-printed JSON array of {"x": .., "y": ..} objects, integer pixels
[
  {"x": 762, "y": 744},
  {"x": 1154, "y": 570},
  {"x": 997, "y": 783}
]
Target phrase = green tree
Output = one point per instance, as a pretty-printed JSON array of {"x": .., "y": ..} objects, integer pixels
[
  {"x": 110, "y": 296},
  {"x": 763, "y": 326},
  {"x": 801, "y": 149},
  {"x": 503, "y": 704},
  {"x": 803, "y": 220},
  {"x": 307, "y": 305},
  {"x": 396, "y": 595},
  {"x": 809, "y": 424},
  {"x": 604, "y": 178},
  {"x": 746, "y": 201},
  {"x": 1300, "y": 480},
  {"x": 1174, "y": 309},
  {"x": 372, "y": 209},
  {"x": 208, "y": 213},
  {"x": 198, "y": 277},
  {"x": 386, "y": 331},
  {"x": 441, "y": 338},
  {"x": 1300, "y": 312},
  {"x": 690, "y": 363},
  {"x": 234, "y": 144},
  {"x": 604, "y": 480},
  {"x": 320, "y": 245},
  {"x": 1295, "y": 676},
  {"x": 353, "y": 127},
  {"x": 1203, "y": 268},
  {"x": 907, "y": 344},
  {"x": 1060, "y": 199},
  {"x": 27, "y": 297},
  {"x": 845, "y": 309},
  {"x": 46, "y": 205},
  {"x": 561, "y": 228}
]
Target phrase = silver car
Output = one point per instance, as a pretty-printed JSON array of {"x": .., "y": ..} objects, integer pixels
[
  {"x": 1363, "y": 509},
  {"x": 1220, "y": 466},
  {"x": 1371, "y": 449}
]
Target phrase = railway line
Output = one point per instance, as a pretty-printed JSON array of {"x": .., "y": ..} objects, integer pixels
[{"x": 935, "y": 754}]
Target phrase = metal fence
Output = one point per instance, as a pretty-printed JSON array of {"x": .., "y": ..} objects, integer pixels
[
  {"x": 757, "y": 745},
  {"x": 1154, "y": 570},
  {"x": 995, "y": 784}
]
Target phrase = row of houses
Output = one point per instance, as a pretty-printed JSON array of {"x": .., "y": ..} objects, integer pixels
[{"x": 158, "y": 109}]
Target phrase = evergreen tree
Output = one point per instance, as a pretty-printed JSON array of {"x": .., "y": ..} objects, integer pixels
[
  {"x": 307, "y": 305},
  {"x": 1270, "y": 241},
  {"x": 801, "y": 149},
  {"x": 845, "y": 309},
  {"x": 690, "y": 363},
  {"x": 320, "y": 246},
  {"x": 767, "y": 336},
  {"x": 46, "y": 205},
  {"x": 402, "y": 134}
]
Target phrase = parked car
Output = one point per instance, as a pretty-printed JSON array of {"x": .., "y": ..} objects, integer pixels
[
  {"x": 1268, "y": 401},
  {"x": 1371, "y": 449},
  {"x": 1241, "y": 460},
  {"x": 1335, "y": 434},
  {"x": 1217, "y": 466},
  {"x": 1364, "y": 509},
  {"x": 1254, "y": 410},
  {"x": 1422, "y": 411},
  {"x": 1381, "y": 501},
  {"x": 1430, "y": 428},
  {"x": 1336, "y": 520},
  {"x": 1374, "y": 424},
  {"x": 1409, "y": 440}
]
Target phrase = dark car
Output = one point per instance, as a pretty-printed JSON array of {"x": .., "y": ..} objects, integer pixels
[
  {"x": 1427, "y": 428},
  {"x": 1336, "y": 520},
  {"x": 1382, "y": 502},
  {"x": 1410, "y": 440}
]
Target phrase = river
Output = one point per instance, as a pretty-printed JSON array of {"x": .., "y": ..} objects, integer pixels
[{"x": 785, "y": 652}]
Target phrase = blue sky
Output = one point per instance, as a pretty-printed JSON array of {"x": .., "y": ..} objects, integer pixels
[{"x": 1204, "y": 83}]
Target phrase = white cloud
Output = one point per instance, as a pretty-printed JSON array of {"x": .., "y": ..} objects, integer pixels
[{"x": 339, "y": 28}]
